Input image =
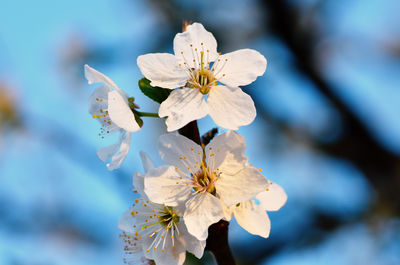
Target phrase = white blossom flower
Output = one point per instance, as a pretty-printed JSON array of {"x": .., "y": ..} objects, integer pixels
[
  {"x": 110, "y": 105},
  {"x": 252, "y": 216},
  {"x": 156, "y": 229},
  {"x": 200, "y": 70},
  {"x": 203, "y": 178}
]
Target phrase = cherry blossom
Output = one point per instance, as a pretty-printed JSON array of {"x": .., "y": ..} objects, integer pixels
[
  {"x": 156, "y": 229},
  {"x": 208, "y": 82},
  {"x": 111, "y": 106},
  {"x": 204, "y": 178},
  {"x": 252, "y": 216}
]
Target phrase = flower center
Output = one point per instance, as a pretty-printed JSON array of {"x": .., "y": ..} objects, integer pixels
[
  {"x": 203, "y": 79},
  {"x": 157, "y": 222},
  {"x": 203, "y": 75},
  {"x": 204, "y": 180}
]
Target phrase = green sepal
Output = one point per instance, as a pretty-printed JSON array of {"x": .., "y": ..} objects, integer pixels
[
  {"x": 138, "y": 119},
  {"x": 158, "y": 94}
]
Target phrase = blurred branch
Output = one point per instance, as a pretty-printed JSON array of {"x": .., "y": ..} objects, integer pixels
[{"x": 357, "y": 143}]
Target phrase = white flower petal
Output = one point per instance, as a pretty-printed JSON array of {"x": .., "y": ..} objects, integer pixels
[
  {"x": 98, "y": 100},
  {"x": 240, "y": 187},
  {"x": 181, "y": 152},
  {"x": 119, "y": 157},
  {"x": 195, "y": 35},
  {"x": 252, "y": 218},
  {"x": 226, "y": 152},
  {"x": 107, "y": 152},
  {"x": 273, "y": 199},
  {"x": 94, "y": 76},
  {"x": 120, "y": 112},
  {"x": 183, "y": 106},
  {"x": 126, "y": 222},
  {"x": 146, "y": 161},
  {"x": 160, "y": 186},
  {"x": 170, "y": 256},
  {"x": 138, "y": 179},
  {"x": 230, "y": 108},
  {"x": 241, "y": 68},
  {"x": 162, "y": 69},
  {"x": 202, "y": 210},
  {"x": 192, "y": 244},
  {"x": 138, "y": 183},
  {"x": 228, "y": 212}
]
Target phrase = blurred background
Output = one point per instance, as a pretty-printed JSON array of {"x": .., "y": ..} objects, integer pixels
[{"x": 327, "y": 129}]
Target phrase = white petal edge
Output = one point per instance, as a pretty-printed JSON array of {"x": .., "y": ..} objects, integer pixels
[
  {"x": 202, "y": 210},
  {"x": 192, "y": 244},
  {"x": 126, "y": 222},
  {"x": 160, "y": 186},
  {"x": 231, "y": 188},
  {"x": 181, "y": 152},
  {"x": 120, "y": 112},
  {"x": 181, "y": 107},
  {"x": 252, "y": 218},
  {"x": 162, "y": 69},
  {"x": 195, "y": 35},
  {"x": 94, "y": 76},
  {"x": 230, "y": 108},
  {"x": 273, "y": 199},
  {"x": 119, "y": 157},
  {"x": 146, "y": 161},
  {"x": 241, "y": 68},
  {"x": 226, "y": 152}
]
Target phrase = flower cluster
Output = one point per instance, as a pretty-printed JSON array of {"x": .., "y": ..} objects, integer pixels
[{"x": 200, "y": 184}]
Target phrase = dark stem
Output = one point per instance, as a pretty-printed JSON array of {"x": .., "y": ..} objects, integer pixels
[
  {"x": 191, "y": 131},
  {"x": 217, "y": 241}
]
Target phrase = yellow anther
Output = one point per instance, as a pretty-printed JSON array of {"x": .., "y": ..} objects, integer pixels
[
  {"x": 147, "y": 250},
  {"x": 162, "y": 250},
  {"x": 136, "y": 200},
  {"x": 260, "y": 169},
  {"x": 99, "y": 116}
]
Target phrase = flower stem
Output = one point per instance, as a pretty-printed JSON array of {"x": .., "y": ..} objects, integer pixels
[{"x": 148, "y": 114}]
